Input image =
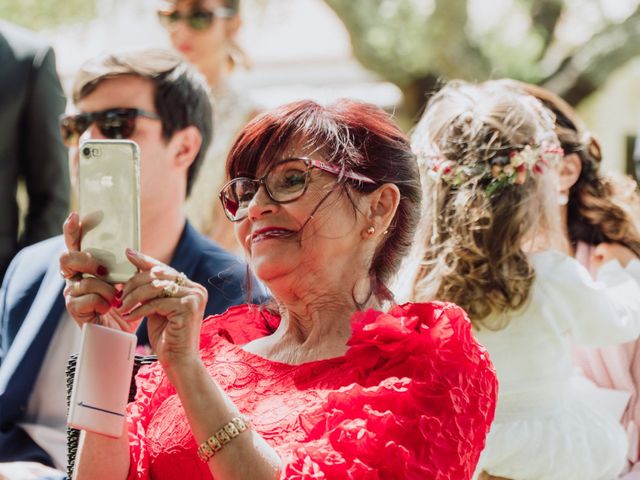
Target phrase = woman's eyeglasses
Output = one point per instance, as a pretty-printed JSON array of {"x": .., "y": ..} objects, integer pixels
[
  {"x": 196, "y": 19},
  {"x": 286, "y": 181},
  {"x": 113, "y": 123}
]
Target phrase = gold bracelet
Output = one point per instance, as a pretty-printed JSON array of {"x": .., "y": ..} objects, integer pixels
[{"x": 228, "y": 432}]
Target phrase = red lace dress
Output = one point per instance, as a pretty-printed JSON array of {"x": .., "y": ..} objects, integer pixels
[{"x": 413, "y": 397}]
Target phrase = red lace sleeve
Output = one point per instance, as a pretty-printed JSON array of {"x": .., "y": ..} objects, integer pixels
[
  {"x": 239, "y": 324},
  {"x": 422, "y": 410},
  {"x": 150, "y": 391}
]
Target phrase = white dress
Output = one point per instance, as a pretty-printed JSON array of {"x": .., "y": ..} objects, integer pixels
[{"x": 549, "y": 425}]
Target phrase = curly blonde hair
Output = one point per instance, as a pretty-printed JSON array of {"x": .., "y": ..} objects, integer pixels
[
  {"x": 474, "y": 242},
  {"x": 601, "y": 207}
]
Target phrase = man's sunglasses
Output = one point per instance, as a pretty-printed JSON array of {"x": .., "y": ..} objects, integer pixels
[
  {"x": 286, "y": 181},
  {"x": 196, "y": 19},
  {"x": 113, "y": 123}
]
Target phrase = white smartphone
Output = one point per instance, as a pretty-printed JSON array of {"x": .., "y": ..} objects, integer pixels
[
  {"x": 109, "y": 203},
  {"x": 101, "y": 383}
]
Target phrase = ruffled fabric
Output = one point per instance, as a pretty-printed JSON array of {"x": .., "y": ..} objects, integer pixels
[
  {"x": 413, "y": 397},
  {"x": 421, "y": 409},
  {"x": 614, "y": 367},
  {"x": 574, "y": 442},
  {"x": 550, "y": 423}
]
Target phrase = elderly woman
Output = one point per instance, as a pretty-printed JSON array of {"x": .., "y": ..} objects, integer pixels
[{"x": 320, "y": 383}]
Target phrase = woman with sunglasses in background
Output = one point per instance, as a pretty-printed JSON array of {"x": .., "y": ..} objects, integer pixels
[
  {"x": 320, "y": 383},
  {"x": 204, "y": 32}
]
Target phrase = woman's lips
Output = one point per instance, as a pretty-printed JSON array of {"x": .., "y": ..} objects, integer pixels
[{"x": 269, "y": 233}]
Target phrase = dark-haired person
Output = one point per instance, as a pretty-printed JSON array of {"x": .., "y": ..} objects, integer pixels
[
  {"x": 153, "y": 98},
  {"x": 31, "y": 100},
  {"x": 600, "y": 226},
  {"x": 322, "y": 383},
  {"x": 205, "y": 32}
]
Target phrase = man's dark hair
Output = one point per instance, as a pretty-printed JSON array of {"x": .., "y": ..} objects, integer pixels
[{"x": 181, "y": 95}]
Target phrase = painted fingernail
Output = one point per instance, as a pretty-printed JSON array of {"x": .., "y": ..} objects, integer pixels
[
  {"x": 131, "y": 251},
  {"x": 116, "y": 303},
  {"x": 118, "y": 293},
  {"x": 102, "y": 271}
]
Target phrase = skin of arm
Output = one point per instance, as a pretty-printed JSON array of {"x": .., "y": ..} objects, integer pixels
[
  {"x": 174, "y": 331},
  {"x": 208, "y": 408},
  {"x": 101, "y": 457}
]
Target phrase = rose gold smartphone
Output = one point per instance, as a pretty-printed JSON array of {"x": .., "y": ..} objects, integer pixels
[
  {"x": 101, "y": 383},
  {"x": 109, "y": 203}
]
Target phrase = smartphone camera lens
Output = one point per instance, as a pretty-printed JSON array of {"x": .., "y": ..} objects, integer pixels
[{"x": 86, "y": 151}]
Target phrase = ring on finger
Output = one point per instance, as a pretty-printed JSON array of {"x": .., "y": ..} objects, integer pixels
[
  {"x": 66, "y": 275},
  {"x": 73, "y": 286},
  {"x": 170, "y": 290},
  {"x": 180, "y": 279}
]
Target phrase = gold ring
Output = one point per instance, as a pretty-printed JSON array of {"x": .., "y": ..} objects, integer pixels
[
  {"x": 180, "y": 279},
  {"x": 170, "y": 290},
  {"x": 73, "y": 286},
  {"x": 66, "y": 275}
]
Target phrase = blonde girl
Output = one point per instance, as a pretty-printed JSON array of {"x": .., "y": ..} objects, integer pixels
[{"x": 492, "y": 242}]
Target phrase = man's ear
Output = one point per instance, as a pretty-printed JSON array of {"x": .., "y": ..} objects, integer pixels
[
  {"x": 186, "y": 145},
  {"x": 383, "y": 203},
  {"x": 569, "y": 171}
]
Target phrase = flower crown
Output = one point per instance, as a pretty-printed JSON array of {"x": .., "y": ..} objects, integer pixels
[{"x": 502, "y": 170}]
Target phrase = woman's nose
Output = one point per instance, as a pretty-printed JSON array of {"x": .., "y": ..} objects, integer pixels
[
  {"x": 261, "y": 204},
  {"x": 179, "y": 31}
]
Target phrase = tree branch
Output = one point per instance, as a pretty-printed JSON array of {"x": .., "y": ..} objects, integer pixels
[
  {"x": 545, "y": 15},
  {"x": 587, "y": 69},
  {"x": 402, "y": 42}
]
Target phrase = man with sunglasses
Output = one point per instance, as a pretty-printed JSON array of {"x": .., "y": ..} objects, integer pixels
[
  {"x": 154, "y": 99},
  {"x": 31, "y": 150}
]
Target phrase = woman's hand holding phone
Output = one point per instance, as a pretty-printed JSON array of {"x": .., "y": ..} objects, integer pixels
[
  {"x": 173, "y": 304},
  {"x": 174, "y": 307},
  {"x": 89, "y": 299}
]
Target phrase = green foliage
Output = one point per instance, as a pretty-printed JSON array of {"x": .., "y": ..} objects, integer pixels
[
  {"x": 407, "y": 39},
  {"x": 43, "y": 14},
  {"x": 418, "y": 43},
  {"x": 514, "y": 48}
]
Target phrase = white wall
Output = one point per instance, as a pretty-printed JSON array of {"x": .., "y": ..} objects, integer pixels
[{"x": 614, "y": 112}]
